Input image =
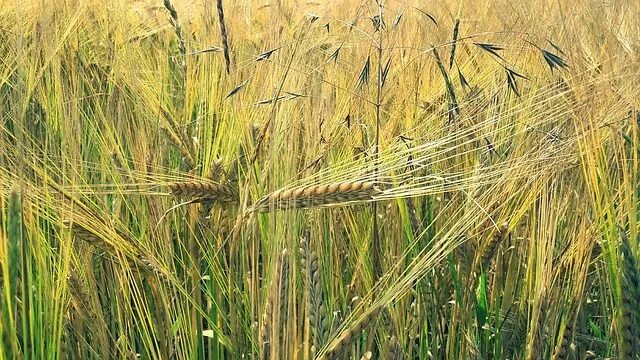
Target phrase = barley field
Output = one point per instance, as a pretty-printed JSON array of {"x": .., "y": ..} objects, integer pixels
[{"x": 293, "y": 179}]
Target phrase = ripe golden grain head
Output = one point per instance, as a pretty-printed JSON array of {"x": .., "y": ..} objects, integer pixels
[
  {"x": 318, "y": 195},
  {"x": 203, "y": 192}
]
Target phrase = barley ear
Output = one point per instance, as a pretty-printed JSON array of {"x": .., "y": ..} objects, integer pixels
[
  {"x": 276, "y": 299},
  {"x": 628, "y": 333},
  {"x": 318, "y": 314},
  {"x": 490, "y": 249},
  {"x": 14, "y": 237},
  {"x": 204, "y": 192},
  {"x": 283, "y": 286},
  {"x": 561, "y": 351},
  {"x": 265, "y": 330},
  {"x": 318, "y": 195},
  {"x": 15, "y": 257},
  {"x": 135, "y": 256},
  {"x": 349, "y": 335},
  {"x": 394, "y": 350}
]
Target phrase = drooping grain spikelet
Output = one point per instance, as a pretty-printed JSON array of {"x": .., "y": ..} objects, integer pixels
[
  {"x": 628, "y": 331},
  {"x": 318, "y": 195},
  {"x": 348, "y": 336},
  {"x": 78, "y": 290},
  {"x": 89, "y": 237},
  {"x": 318, "y": 315},
  {"x": 203, "y": 192},
  {"x": 367, "y": 356},
  {"x": 135, "y": 257},
  {"x": 225, "y": 36}
]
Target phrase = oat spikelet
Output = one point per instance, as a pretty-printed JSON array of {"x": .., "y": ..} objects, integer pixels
[
  {"x": 225, "y": 36},
  {"x": 629, "y": 297},
  {"x": 318, "y": 318},
  {"x": 317, "y": 195},
  {"x": 348, "y": 336},
  {"x": 173, "y": 19},
  {"x": 203, "y": 192},
  {"x": 456, "y": 30}
]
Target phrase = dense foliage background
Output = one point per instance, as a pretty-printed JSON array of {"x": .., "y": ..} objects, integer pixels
[{"x": 298, "y": 179}]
